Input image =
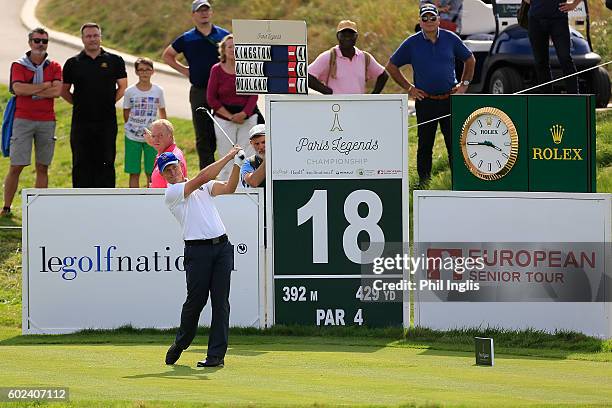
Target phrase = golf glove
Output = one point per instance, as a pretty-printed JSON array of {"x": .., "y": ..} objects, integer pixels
[{"x": 239, "y": 158}]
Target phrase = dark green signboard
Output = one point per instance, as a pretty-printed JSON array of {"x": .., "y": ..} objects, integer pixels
[
  {"x": 335, "y": 302},
  {"x": 561, "y": 144},
  {"x": 338, "y": 189},
  {"x": 326, "y": 207},
  {"x": 524, "y": 143},
  {"x": 320, "y": 227}
]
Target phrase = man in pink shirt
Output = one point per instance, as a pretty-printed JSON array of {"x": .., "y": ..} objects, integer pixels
[
  {"x": 345, "y": 69},
  {"x": 161, "y": 137}
]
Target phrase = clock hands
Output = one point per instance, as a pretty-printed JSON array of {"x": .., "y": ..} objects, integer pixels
[{"x": 484, "y": 143}]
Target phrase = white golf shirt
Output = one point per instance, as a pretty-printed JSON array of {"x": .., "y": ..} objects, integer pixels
[{"x": 197, "y": 214}]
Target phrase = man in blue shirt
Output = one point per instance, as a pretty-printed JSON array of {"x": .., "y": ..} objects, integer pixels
[
  {"x": 548, "y": 19},
  {"x": 432, "y": 53},
  {"x": 199, "y": 46}
]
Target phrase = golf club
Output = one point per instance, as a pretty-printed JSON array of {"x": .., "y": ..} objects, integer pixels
[{"x": 241, "y": 152}]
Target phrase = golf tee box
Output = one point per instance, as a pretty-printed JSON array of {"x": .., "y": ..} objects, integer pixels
[
  {"x": 484, "y": 351},
  {"x": 271, "y": 57},
  {"x": 523, "y": 143}
]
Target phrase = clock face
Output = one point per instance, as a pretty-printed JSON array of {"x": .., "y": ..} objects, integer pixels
[{"x": 489, "y": 143}]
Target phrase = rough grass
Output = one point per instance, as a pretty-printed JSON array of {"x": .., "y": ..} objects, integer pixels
[{"x": 147, "y": 27}]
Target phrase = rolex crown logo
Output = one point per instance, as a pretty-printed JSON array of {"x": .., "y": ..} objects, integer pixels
[
  {"x": 557, "y": 133},
  {"x": 489, "y": 121}
]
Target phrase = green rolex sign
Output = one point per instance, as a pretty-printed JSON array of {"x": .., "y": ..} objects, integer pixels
[{"x": 524, "y": 142}]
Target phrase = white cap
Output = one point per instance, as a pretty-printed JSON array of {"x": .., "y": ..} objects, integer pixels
[{"x": 257, "y": 130}]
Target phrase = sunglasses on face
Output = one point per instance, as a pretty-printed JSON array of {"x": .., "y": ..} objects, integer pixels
[
  {"x": 429, "y": 18},
  {"x": 347, "y": 34},
  {"x": 40, "y": 40}
]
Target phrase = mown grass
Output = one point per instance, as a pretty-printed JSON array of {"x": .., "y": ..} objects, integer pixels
[{"x": 268, "y": 369}]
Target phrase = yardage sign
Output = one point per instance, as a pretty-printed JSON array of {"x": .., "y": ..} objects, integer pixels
[
  {"x": 270, "y": 56},
  {"x": 338, "y": 171}
]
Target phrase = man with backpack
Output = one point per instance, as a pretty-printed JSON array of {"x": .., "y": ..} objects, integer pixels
[
  {"x": 36, "y": 81},
  {"x": 345, "y": 69}
]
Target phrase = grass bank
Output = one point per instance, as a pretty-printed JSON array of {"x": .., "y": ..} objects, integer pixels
[{"x": 146, "y": 27}]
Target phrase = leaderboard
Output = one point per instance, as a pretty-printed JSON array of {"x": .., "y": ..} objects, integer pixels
[{"x": 271, "y": 57}]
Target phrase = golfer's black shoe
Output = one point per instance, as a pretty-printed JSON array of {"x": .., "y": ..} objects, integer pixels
[
  {"x": 173, "y": 354},
  {"x": 211, "y": 361}
]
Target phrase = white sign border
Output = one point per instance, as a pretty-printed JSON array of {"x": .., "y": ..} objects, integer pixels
[
  {"x": 256, "y": 194},
  {"x": 269, "y": 99}
]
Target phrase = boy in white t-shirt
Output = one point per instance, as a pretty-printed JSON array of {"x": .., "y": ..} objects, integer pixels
[{"x": 141, "y": 103}]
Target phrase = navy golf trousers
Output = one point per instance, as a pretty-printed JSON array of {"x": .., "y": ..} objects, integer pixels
[{"x": 207, "y": 270}]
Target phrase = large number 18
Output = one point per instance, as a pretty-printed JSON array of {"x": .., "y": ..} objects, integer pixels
[{"x": 316, "y": 208}]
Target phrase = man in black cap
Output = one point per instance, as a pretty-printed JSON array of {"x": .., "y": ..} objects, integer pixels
[
  {"x": 209, "y": 256},
  {"x": 432, "y": 53}
]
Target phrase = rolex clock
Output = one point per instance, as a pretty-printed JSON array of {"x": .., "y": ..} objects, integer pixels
[{"x": 489, "y": 143}]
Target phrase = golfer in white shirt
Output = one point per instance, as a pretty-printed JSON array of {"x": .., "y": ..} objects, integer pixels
[{"x": 209, "y": 256}]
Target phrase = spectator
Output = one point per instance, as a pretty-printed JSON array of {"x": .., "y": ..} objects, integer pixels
[
  {"x": 432, "y": 53},
  {"x": 161, "y": 138},
  {"x": 199, "y": 46},
  {"x": 548, "y": 20},
  {"x": 344, "y": 69},
  {"x": 253, "y": 171},
  {"x": 140, "y": 105},
  {"x": 99, "y": 80},
  {"x": 36, "y": 81},
  {"x": 235, "y": 114}
]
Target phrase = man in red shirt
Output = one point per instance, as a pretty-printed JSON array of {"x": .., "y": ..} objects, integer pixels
[{"x": 36, "y": 81}]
